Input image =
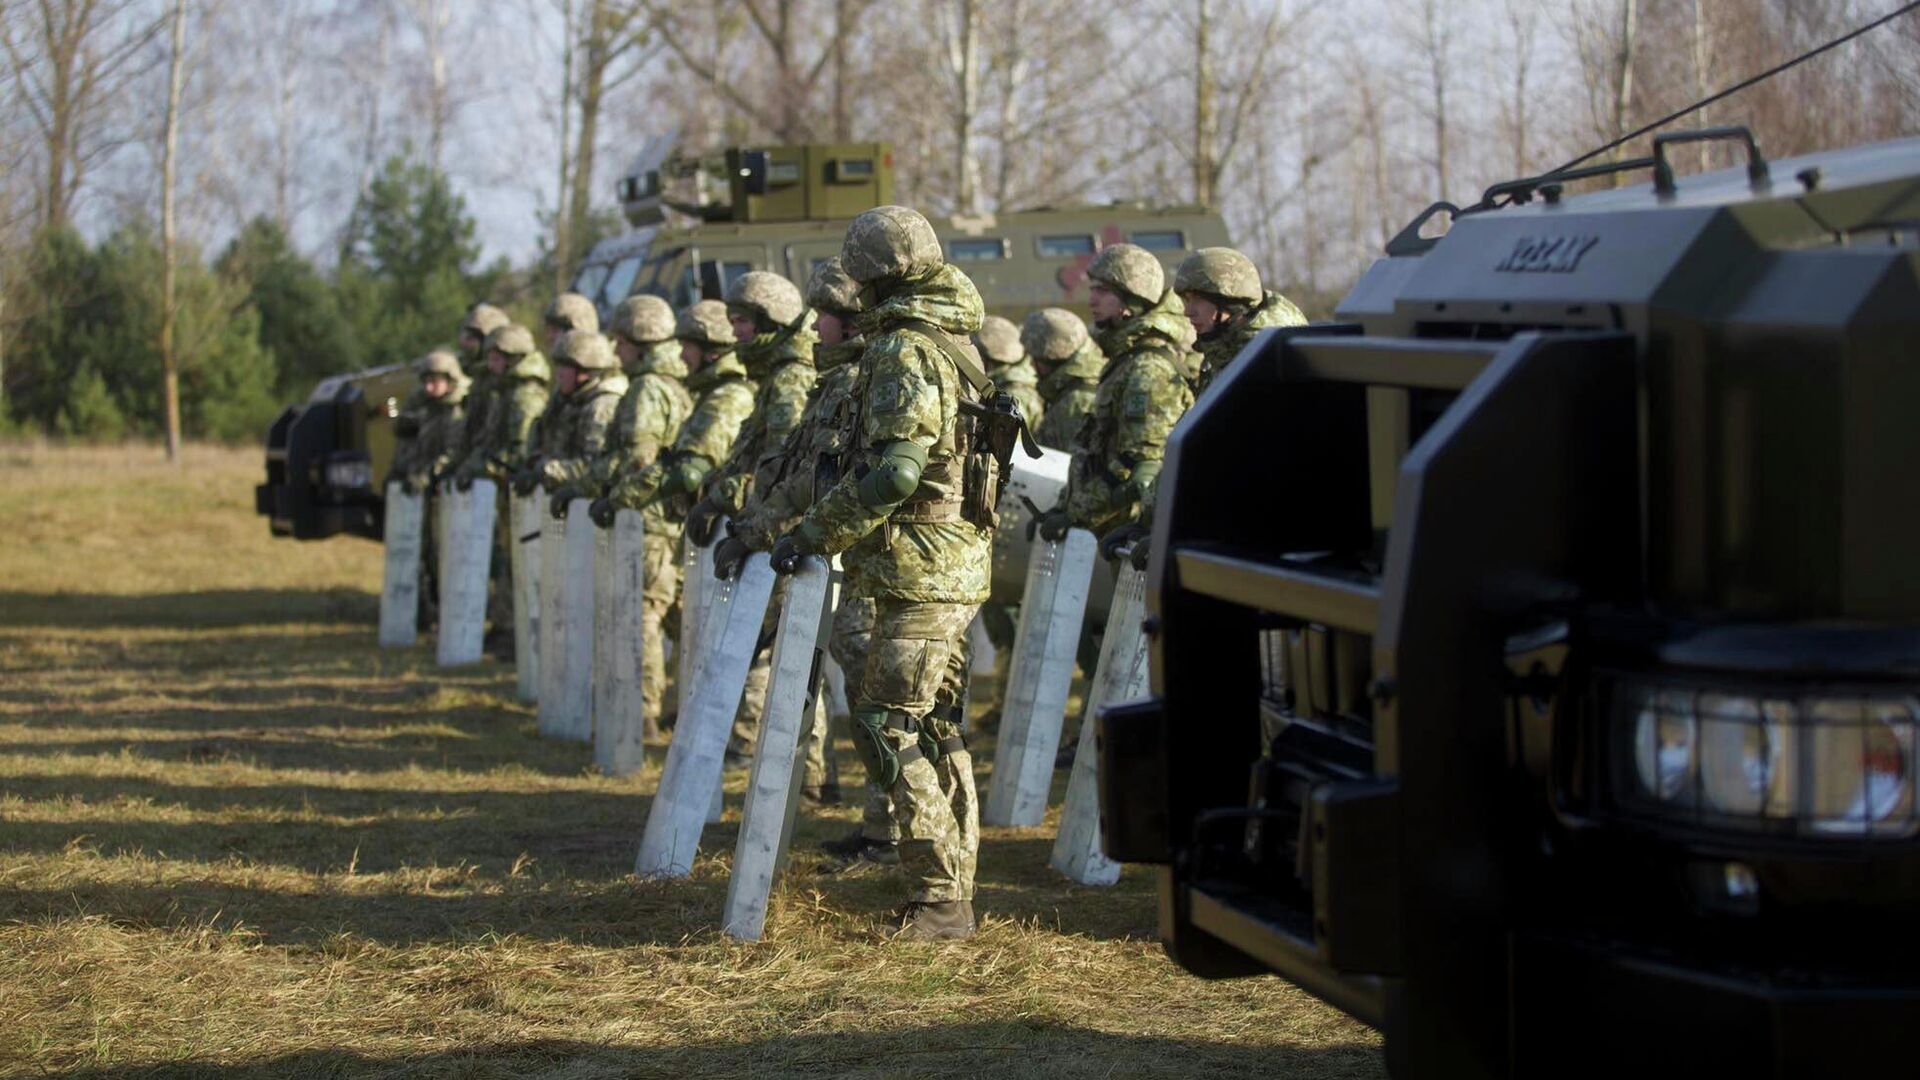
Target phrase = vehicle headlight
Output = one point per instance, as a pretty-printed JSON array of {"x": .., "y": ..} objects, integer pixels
[{"x": 1823, "y": 765}]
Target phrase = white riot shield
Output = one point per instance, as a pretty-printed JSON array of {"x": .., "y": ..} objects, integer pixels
[
  {"x": 1121, "y": 675},
  {"x": 691, "y": 778},
  {"x": 1035, "y": 704},
  {"x": 692, "y": 559},
  {"x": 463, "y": 574},
  {"x": 575, "y": 647},
  {"x": 1042, "y": 481},
  {"x": 400, "y": 593},
  {"x": 618, "y": 746},
  {"x": 525, "y": 516},
  {"x": 553, "y": 571},
  {"x": 772, "y": 786}
]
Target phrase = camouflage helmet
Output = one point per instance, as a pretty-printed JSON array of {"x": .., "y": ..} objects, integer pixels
[
  {"x": 511, "y": 339},
  {"x": 571, "y": 311},
  {"x": 830, "y": 289},
  {"x": 439, "y": 362},
  {"x": 587, "y": 350},
  {"x": 999, "y": 341},
  {"x": 705, "y": 324},
  {"x": 1221, "y": 272},
  {"x": 766, "y": 296},
  {"x": 643, "y": 320},
  {"x": 1131, "y": 271},
  {"x": 890, "y": 241},
  {"x": 484, "y": 319},
  {"x": 1053, "y": 334}
]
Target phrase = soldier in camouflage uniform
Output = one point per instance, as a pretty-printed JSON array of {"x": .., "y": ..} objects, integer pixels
[
  {"x": 481, "y": 320},
  {"x": 1069, "y": 364},
  {"x": 429, "y": 433},
  {"x": 1224, "y": 301},
  {"x": 775, "y": 329},
  {"x": 1142, "y": 394},
  {"x": 791, "y": 481},
  {"x": 519, "y": 377},
  {"x": 1012, "y": 370},
  {"x": 588, "y": 386},
  {"x": 664, "y": 488},
  {"x": 647, "y": 421},
  {"x": 913, "y": 501}
]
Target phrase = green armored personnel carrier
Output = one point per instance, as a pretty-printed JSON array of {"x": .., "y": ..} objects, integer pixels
[{"x": 699, "y": 223}]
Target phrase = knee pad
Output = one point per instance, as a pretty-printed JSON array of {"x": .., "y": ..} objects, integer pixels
[{"x": 876, "y": 750}]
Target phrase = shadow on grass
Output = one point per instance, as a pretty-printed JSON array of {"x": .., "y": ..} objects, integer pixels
[
  {"x": 206, "y": 608},
  {"x": 998, "y": 1049}
]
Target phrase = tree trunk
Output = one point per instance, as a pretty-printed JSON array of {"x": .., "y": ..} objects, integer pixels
[
  {"x": 169, "y": 252},
  {"x": 1623, "y": 85},
  {"x": 961, "y": 57},
  {"x": 562, "y": 196},
  {"x": 593, "y": 82},
  {"x": 1204, "y": 180}
]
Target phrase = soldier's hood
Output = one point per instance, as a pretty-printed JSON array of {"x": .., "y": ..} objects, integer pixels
[
  {"x": 659, "y": 358},
  {"x": 614, "y": 382},
  {"x": 728, "y": 366},
  {"x": 1163, "y": 322},
  {"x": 945, "y": 298},
  {"x": 1084, "y": 366},
  {"x": 461, "y": 387},
  {"x": 532, "y": 367},
  {"x": 785, "y": 345},
  {"x": 1020, "y": 374},
  {"x": 1272, "y": 310},
  {"x": 828, "y": 357}
]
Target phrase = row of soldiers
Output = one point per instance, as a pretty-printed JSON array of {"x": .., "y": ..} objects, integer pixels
[{"x": 866, "y": 418}]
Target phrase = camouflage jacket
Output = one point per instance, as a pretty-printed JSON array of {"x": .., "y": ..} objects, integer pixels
[
  {"x": 1141, "y": 396},
  {"x": 1022, "y": 382},
  {"x": 434, "y": 446},
  {"x": 784, "y": 360},
  {"x": 1068, "y": 392},
  {"x": 519, "y": 399},
  {"x": 646, "y": 423},
  {"x": 1221, "y": 346},
  {"x": 474, "y": 412},
  {"x": 722, "y": 401},
  {"x": 808, "y": 462},
  {"x": 908, "y": 389},
  {"x": 579, "y": 430}
]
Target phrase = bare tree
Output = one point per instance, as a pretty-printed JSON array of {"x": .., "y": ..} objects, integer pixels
[
  {"x": 70, "y": 61},
  {"x": 1522, "y": 24},
  {"x": 1432, "y": 41},
  {"x": 169, "y": 250},
  {"x": 959, "y": 22},
  {"x": 433, "y": 19}
]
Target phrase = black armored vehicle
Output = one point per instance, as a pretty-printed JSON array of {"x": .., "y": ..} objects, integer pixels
[{"x": 1541, "y": 683}]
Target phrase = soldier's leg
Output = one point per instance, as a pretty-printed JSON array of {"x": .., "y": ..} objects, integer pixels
[
  {"x": 908, "y": 659},
  {"x": 946, "y": 735},
  {"x": 428, "y": 612},
  {"x": 852, "y": 631},
  {"x": 662, "y": 585},
  {"x": 500, "y": 576}
]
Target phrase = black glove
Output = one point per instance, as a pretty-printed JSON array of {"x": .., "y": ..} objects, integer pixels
[
  {"x": 703, "y": 521},
  {"x": 1130, "y": 533},
  {"x": 558, "y": 505},
  {"x": 787, "y": 555},
  {"x": 406, "y": 427},
  {"x": 525, "y": 480},
  {"x": 728, "y": 556},
  {"x": 1054, "y": 524},
  {"x": 602, "y": 512},
  {"x": 1141, "y": 549}
]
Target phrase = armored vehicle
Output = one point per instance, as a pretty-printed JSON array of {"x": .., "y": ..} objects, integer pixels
[
  {"x": 1553, "y": 707},
  {"x": 699, "y": 223}
]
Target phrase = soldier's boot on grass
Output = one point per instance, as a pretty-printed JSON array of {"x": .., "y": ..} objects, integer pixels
[
  {"x": 939, "y": 920},
  {"x": 858, "y": 847}
]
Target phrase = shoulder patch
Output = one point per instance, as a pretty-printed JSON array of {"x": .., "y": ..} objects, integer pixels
[{"x": 1136, "y": 404}]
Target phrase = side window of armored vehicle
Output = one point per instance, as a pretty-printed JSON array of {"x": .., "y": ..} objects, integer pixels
[
  {"x": 587, "y": 283},
  {"x": 619, "y": 282},
  {"x": 1070, "y": 246},
  {"x": 977, "y": 249},
  {"x": 803, "y": 257},
  {"x": 1160, "y": 239},
  {"x": 711, "y": 281}
]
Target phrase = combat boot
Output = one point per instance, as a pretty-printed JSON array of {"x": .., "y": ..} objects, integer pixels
[
  {"x": 860, "y": 848},
  {"x": 942, "y": 920}
]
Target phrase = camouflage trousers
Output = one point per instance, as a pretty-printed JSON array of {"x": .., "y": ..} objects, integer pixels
[
  {"x": 916, "y": 666},
  {"x": 500, "y": 600},
  {"x": 852, "y": 630}
]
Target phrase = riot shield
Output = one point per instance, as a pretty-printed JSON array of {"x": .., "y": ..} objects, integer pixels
[
  {"x": 1058, "y": 577},
  {"x": 1121, "y": 675},
  {"x": 771, "y": 786},
  {"x": 524, "y": 518},
  {"x": 400, "y": 592},
  {"x": 618, "y": 747},
  {"x": 463, "y": 573}
]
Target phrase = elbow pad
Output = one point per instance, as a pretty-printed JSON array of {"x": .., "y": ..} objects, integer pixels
[
  {"x": 1144, "y": 475},
  {"x": 895, "y": 476},
  {"x": 685, "y": 474}
]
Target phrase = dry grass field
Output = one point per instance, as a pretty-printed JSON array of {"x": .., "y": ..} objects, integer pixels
[{"x": 236, "y": 839}]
